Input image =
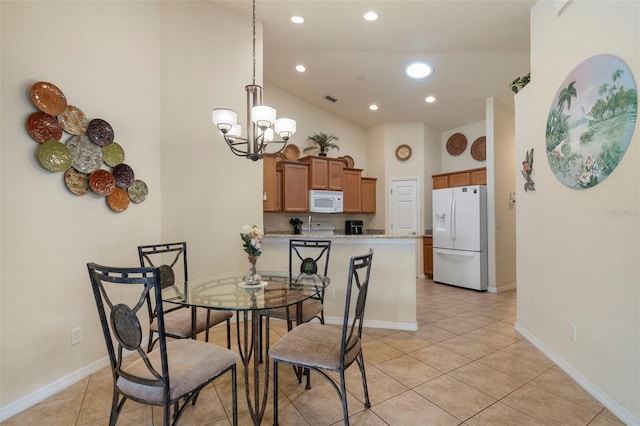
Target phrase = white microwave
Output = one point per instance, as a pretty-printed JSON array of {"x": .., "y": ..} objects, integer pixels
[{"x": 325, "y": 201}]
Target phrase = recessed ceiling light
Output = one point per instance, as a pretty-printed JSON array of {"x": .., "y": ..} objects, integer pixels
[
  {"x": 419, "y": 70},
  {"x": 300, "y": 68},
  {"x": 297, "y": 19},
  {"x": 371, "y": 16},
  {"x": 430, "y": 99},
  {"x": 373, "y": 107}
]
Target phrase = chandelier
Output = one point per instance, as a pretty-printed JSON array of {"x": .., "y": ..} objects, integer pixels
[{"x": 262, "y": 124}]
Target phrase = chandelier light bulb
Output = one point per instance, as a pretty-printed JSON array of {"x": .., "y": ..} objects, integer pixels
[
  {"x": 263, "y": 115},
  {"x": 285, "y": 127},
  {"x": 224, "y": 118}
]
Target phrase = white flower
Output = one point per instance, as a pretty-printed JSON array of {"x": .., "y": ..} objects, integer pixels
[{"x": 246, "y": 229}]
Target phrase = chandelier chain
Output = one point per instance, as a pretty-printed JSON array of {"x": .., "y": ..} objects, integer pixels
[{"x": 253, "y": 52}]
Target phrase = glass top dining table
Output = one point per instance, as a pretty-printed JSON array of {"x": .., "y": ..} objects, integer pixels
[{"x": 251, "y": 302}]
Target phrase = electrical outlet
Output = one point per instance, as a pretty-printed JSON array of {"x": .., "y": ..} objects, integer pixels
[
  {"x": 76, "y": 335},
  {"x": 574, "y": 333},
  {"x": 331, "y": 293}
]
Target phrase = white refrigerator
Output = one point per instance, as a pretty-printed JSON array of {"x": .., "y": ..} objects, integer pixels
[{"x": 460, "y": 237}]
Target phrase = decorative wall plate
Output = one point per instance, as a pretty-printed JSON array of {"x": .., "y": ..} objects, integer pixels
[
  {"x": 349, "y": 161},
  {"x": 456, "y": 144},
  {"x": 113, "y": 154},
  {"x": 118, "y": 200},
  {"x": 102, "y": 182},
  {"x": 43, "y": 127},
  {"x": 291, "y": 152},
  {"x": 591, "y": 121},
  {"x": 54, "y": 156},
  {"x": 479, "y": 149},
  {"x": 123, "y": 174},
  {"x": 403, "y": 152},
  {"x": 73, "y": 120},
  {"x": 77, "y": 182},
  {"x": 87, "y": 156},
  {"x": 48, "y": 98},
  {"x": 100, "y": 132},
  {"x": 138, "y": 191}
]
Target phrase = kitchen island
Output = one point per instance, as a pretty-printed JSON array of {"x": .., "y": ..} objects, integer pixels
[{"x": 391, "y": 301}]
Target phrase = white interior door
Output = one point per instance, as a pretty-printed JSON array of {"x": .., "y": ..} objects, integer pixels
[{"x": 404, "y": 207}]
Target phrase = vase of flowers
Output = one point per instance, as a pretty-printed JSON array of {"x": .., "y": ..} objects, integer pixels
[{"x": 252, "y": 242}]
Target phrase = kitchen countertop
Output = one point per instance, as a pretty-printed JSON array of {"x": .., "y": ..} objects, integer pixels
[{"x": 366, "y": 235}]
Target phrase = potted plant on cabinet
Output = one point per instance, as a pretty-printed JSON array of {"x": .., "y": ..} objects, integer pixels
[{"x": 323, "y": 142}]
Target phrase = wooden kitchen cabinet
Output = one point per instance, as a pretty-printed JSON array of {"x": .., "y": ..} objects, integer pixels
[
  {"x": 295, "y": 186},
  {"x": 441, "y": 181},
  {"x": 324, "y": 173},
  {"x": 351, "y": 196},
  {"x": 270, "y": 186},
  {"x": 368, "y": 195},
  {"x": 460, "y": 178},
  {"x": 427, "y": 256}
]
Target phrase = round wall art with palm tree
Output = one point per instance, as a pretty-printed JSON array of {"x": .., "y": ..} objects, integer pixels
[{"x": 591, "y": 121}]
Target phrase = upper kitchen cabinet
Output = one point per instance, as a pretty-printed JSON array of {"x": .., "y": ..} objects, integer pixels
[
  {"x": 368, "y": 195},
  {"x": 460, "y": 178},
  {"x": 325, "y": 173},
  {"x": 270, "y": 186},
  {"x": 295, "y": 186},
  {"x": 352, "y": 194}
]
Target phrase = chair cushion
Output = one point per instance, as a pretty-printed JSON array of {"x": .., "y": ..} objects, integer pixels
[
  {"x": 310, "y": 309},
  {"x": 178, "y": 322},
  {"x": 191, "y": 364},
  {"x": 313, "y": 345}
]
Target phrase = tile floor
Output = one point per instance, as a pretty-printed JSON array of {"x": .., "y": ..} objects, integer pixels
[{"x": 464, "y": 366}]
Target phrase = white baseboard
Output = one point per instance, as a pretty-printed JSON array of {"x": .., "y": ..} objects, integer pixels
[
  {"x": 51, "y": 389},
  {"x": 618, "y": 410},
  {"x": 502, "y": 288},
  {"x": 408, "y": 326}
]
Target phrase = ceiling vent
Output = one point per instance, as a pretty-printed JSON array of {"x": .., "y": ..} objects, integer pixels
[{"x": 331, "y": 99}]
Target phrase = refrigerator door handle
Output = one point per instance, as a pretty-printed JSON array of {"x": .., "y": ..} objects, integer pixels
[{"x": 453, "y": 219}]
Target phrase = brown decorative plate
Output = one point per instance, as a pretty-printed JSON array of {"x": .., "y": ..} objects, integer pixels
[
  {"x": 48, "y": 98},
  {"x": 479, "y": 149},
  {"x": 291, "y": 152},
  {"x": 456, "y": 144},
  {"x": 349, "y": 160},
  {"x": 138, "y": 191},
  {"x": 77, "y": 182},
  {"x": 118, "y": 200},
  {"x": 43, "y": 127},
  {"x": 73, "y": 120},
  {"x": 100, "y": 132},
  {"x": 102, "y": 182},
  {"x": 123, "y": 174}
]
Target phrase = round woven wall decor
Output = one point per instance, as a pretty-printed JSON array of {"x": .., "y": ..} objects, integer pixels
[
  {"x": 479, "y": 149},
  {"x": 456, "y": 144}
]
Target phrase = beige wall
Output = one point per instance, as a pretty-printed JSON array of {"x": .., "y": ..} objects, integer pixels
[
  {"x": 130, "y": 72},
  {"x": 451, "y": 163},
  {"x": 578, "y": 250}
]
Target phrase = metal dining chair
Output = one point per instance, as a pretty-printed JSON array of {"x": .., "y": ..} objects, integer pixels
[
  {"x": 306, "y": 257},
  {"x": 321, "y": 348},
  {"x": 173, "y": 374},
  {"x": 178, "y": 320}
]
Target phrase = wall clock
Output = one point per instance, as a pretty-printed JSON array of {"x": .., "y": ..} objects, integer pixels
[{"x": 403, "y": 152}]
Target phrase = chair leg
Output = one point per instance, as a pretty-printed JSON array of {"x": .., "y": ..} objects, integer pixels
[
  {"x": 228, "y": 333},
  {"x": 343, "y": 397},
  {"x": 206, "y": 333},
  {"x": 261, "y": 339},
  {"x": 275, "y": 393},
  {"x": 360, "y": 361},
  {"x": 234, "y": 395},
  {"x": 113, "y": 418}
]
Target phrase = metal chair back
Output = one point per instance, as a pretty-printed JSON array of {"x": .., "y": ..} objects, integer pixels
[
  {"x": 357, "y": 288},
  {"x": 121, "y": 316}
]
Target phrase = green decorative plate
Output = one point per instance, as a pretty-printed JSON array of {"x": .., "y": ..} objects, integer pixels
[
  {"x": 113, "y": 154},
  {"x": 54, "y": 156}
]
